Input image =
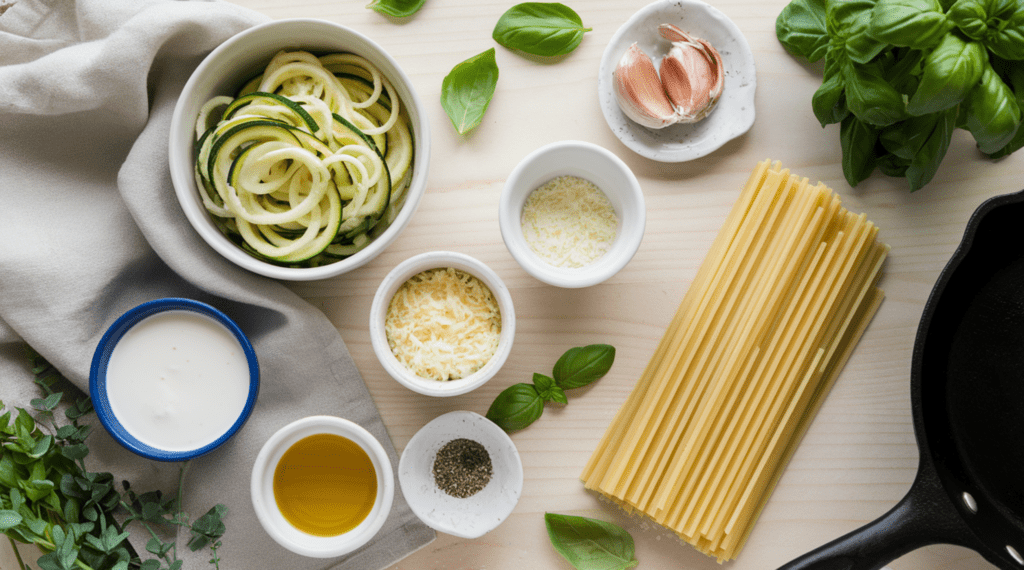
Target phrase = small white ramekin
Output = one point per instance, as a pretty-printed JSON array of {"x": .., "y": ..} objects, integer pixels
[
  {"x": 262, "y": 488},
  {"x": 591, "y": 162},
  {"x": 399, "y": 275}
]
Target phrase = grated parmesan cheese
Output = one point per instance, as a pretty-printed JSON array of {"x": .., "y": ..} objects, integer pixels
[
  {"x": 443, "y": 324},
  {"x": 569, "y": 222}
]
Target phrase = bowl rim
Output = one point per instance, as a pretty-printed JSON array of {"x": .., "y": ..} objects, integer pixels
[
  {"x": 493, "y": 433},
  {"x": 261, "y": 487},
  {"x": 180, "y": 151},
  {"x": 631, "y": 228},
  {"x": 101, "y": 358},
  {"x": 417, "y": 264}
]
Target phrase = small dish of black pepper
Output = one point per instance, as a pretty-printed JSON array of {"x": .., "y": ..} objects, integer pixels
[
  {"x": 461, "y": 474},
  {"x": 462, "y": 467}
]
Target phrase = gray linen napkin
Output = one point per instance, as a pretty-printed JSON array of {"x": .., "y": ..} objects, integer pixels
[{"x": 90, "y": 227}]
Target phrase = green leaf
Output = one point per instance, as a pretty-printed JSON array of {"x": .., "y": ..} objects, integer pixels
[
  {"x": 548, "y": 390},
  {"x": 950, "y": 72},
  {"x": 849, "y": 25},
  {"x": 582, "y": 365},
  {"x": 870, "y": 96},
  {"x": 993, "y": 115},
  {"x": 158, "y": 547},
  {"x": 923, "y": 142},
  {"x": 540, "y": 28},
  {"x": 918, "y": 24},
  {"x": 998, "y": 24},
  {"x": 1015, "y": 75},
  {"x": 857, "y": 139},
  {"x": 9, "y": 519},
  {"x": 467, "y": 90},
  {"x": 829, "y": 101},
  {"x": 396, "y": 8},
  {"x": 516, "y": 407},
  {"x": 590, "y": 544},
  {"x": 801, "y": 29}
]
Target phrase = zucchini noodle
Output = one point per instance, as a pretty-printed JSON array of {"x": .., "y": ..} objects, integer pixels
[{"x": 308, "y": 162}]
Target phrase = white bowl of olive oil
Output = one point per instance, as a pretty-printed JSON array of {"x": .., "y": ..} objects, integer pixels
[{"x": 322, "y": 486}]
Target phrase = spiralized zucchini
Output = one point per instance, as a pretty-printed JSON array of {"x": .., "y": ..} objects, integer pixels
[{"x": 308, "y": 162}]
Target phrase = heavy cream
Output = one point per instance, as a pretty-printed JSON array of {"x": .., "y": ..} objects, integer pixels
[{"x": 177, "y": 380}]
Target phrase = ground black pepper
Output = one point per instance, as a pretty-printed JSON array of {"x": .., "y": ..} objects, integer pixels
[{"x": 462, "y": 468}]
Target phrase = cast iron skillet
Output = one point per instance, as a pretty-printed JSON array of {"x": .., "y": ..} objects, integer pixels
[{"x": 967, "y": 394}]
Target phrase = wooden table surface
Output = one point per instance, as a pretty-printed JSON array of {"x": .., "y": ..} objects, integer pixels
[{"x": 859, "y": 456}]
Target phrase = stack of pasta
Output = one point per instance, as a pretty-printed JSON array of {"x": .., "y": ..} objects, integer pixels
[{"x": 783, "y": 296}]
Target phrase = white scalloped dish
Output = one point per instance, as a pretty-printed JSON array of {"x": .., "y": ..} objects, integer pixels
[{"x": 734, "y": 114}]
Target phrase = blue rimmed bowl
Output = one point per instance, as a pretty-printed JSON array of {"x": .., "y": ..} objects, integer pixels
[{"x": 173, "y": 379}]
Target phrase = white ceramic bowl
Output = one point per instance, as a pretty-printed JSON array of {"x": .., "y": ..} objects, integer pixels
[
  {"x": 734, "y": 114},
  {"x": 239, "y": 59},
  {"x": 262, "y": 488},
  {"x": 399, "y": 275},
  {"x": 469, "y": 517},
  {"x": 607, "y": 172}
]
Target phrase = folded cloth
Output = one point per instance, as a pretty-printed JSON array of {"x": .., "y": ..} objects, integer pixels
[{"x": 91, "y": 228}]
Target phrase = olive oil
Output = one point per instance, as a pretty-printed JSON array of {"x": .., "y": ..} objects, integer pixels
[{"x": 325, "y": 485}]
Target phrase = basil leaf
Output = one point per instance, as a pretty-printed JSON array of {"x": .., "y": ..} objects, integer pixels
[
  {"x": 892, "y": 165},
  {"x": 950, "y": 72},
  {"x": 590, "y": 544},
  {"x": 922, "y": 141},
  {"x": 582, "y": 365},
  {"x": 829, "y": 102},
  {"x": 849, "y": 23},
  {"x": 801, "y": 29},
  {"x": 548, "y": 390},
  {"x": 540, "y": 28},
  {"x": 993, "y": 115},
  {"x": 918, "y": 24},
  {"x": 1015, "y": 75},
  {"x": 516, "y": 407},
  {"x": 467, "y": 90},
  {"x": 396, "y": 8},
  {"x": 857, "y": 139},
  {"x": 870, "y": 96},
  {"x": 999, "y": 24}
]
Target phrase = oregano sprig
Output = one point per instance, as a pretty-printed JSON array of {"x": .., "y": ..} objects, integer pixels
[{"x": 521, "y": 404}]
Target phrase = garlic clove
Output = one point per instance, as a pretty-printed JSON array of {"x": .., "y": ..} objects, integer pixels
[
  {"x": 691, "y": 73},
  {"x": 639, "y": 91}
]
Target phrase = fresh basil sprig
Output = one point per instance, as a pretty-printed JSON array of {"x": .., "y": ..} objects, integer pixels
[
  {"x": 396, "y": 8},
  {"x": 540, "y": 28},
  {"x": 467, "y": 90},
  {"x": 591, "y": 544},
  {"x": 521, "y": 404},
  {"x": 910, "y": 72}
]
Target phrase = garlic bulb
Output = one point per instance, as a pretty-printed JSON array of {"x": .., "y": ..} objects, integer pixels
[{"x": 689, "y": 86}]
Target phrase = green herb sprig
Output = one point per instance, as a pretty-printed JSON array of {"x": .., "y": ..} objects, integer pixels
[
  {"x": 521, "y": 404},
  {"x": 50, "y": 499},
  {"x": 591, "y": 544},
  {"x": 900, "y": 76}
]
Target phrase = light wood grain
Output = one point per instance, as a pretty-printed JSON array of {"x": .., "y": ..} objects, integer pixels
[{"x": 859, "y": 456}]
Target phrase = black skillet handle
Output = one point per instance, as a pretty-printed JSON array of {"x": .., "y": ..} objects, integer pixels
[{"x": 924, "y": 516}]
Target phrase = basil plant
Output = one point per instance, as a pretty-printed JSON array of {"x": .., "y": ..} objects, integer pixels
[{"x": 901, "y": 75}]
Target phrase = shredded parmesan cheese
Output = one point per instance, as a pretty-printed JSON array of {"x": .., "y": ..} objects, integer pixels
[
  {"x": 443, "y": 324},
  {"x": 569, "y": 222}
]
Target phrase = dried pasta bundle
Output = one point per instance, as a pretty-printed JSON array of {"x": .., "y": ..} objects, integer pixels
[{"x": 778, "y": 304}]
